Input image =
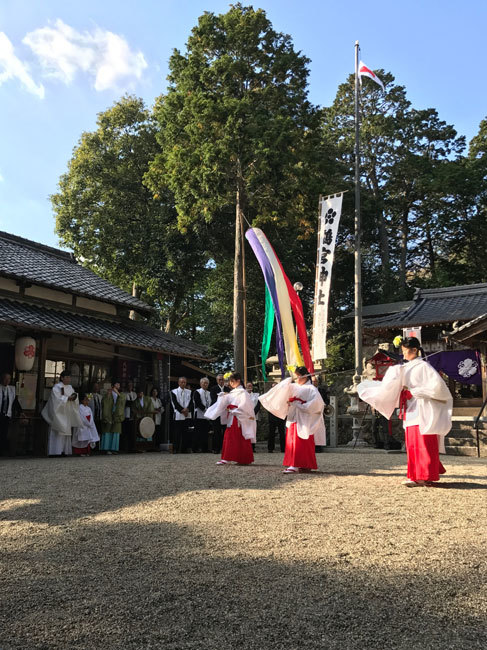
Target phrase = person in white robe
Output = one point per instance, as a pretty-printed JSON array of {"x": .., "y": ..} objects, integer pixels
[
  {"x": 240, "y": 431},
  {"x": 255, "y": 401},
  {"x": 86, "y": 436},
  {"x": 62, "y": 414},
  {"x": 302, "y": 406},
  {"x": 425, "y": 406}
]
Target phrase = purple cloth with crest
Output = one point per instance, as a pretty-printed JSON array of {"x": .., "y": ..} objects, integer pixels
[{"x": 462, "y": 366}]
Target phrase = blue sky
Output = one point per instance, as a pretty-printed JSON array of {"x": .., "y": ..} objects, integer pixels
[{"x": 63, "y": 62}]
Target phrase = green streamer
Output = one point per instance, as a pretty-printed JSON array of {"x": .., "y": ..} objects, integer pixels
[{"x": 268, "y": 327}]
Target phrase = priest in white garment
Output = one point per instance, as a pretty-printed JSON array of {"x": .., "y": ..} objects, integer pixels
[{"x": 62, "y": 414}]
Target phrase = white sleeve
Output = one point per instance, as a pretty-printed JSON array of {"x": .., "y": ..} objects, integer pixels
[
  {"x": 219, "y": 408},
  {"x": 383, "y": 395},
  {"x": 430, "y": 384},
  {"x": 276, "y": 399},
  {"x": 314, "y": 405}
]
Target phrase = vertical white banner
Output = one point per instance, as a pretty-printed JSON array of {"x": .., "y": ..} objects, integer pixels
[{"x": 330, "y": 210}]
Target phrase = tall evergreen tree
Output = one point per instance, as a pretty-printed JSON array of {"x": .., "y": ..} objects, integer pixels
[
  {"x": 238, "y": 137},
  {"x": 113, "y": 222}
]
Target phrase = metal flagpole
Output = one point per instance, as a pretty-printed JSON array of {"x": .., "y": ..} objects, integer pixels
[{"x": 358, "y": 265}]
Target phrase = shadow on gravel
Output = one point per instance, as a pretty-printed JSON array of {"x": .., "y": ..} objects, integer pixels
[
  {"x": 458, "y": 485},
  {"x": 161, "y": 587},
  {"x": 60, "y": 485}
]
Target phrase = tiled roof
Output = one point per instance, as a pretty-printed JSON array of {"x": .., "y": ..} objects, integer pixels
[
  {"x": 437, "y": 306},
  {"x": 23, "y": 259},
  {"x": 384, "y": 309},
  {"x": 129, "y": 334}
]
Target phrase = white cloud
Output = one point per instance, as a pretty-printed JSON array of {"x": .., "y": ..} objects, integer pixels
[
  {"x": 11, "y": 67},
  {"x": 1, "y": 178},
  {"x": 63, "y": 51}
]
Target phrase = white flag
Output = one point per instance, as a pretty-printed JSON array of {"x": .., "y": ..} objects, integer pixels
[
  {"x": 329, "y": 218},
  {"x": 364, "y": 71}
]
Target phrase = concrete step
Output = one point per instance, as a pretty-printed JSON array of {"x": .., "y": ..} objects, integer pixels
[
  {"x": 462, "y": 450},
  {"x": 454, "y": 441}
]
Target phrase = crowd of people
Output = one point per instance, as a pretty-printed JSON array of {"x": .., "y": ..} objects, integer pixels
[
  {"x": 223, "y": 419},
  {"x": 203, "y": 420}
]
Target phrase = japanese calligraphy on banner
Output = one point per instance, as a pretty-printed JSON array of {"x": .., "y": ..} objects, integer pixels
[
  {"x": 330, "y": 209},
  {"x": 412, "y": 331}
]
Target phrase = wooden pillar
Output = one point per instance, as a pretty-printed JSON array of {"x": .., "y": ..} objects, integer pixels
[
  {"x": 40, "y": 426},
  {"x": 40, "y": 373}
]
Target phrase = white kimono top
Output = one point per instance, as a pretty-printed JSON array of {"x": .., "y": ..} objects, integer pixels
[
  {"x": 255, "y": 398},
  {"x": 244, "y": 411},
  {"x": 86, "y": 434},
  {"x": 157, "y": 404},
  {"x": 61, "y": 413},
  {"x": 431, "y": 404},
  {"x": 308, "y": 414},
  {"x": 205, "y": 398},
  {"x": 183, "y": 397},
  {"x": 7, "y": 395}
]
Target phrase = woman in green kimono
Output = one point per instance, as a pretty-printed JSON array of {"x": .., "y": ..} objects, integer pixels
[{"x": 113, "y": 414}]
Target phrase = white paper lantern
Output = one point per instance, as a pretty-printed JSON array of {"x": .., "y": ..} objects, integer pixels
[{"x": 25, "y": 353}]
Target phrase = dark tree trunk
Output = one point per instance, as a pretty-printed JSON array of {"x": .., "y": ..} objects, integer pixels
[{"x": 239, "y": 343}]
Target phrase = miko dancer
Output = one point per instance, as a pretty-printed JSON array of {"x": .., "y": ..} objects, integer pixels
[
  {"x": 425, "y": 406},
  {"x": 240, "y": 431},
  {"x": 85, "y": 437},
  {"x": 301, "y": 403}
]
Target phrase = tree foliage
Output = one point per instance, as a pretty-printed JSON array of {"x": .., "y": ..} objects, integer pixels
[
  {"x": 115, "y": 224},
  {"x": 150, "y": 197}
]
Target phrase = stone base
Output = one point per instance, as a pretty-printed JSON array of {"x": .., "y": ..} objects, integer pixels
[{"x": 357, "y": 443}]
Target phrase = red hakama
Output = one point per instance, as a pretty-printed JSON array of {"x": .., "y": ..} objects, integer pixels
[
  {"x": 235, "y": 447},
  {"x": 78, "y": 451},
  {"x": 299, "y": 452},
  {"x": 423, "y": 456}
]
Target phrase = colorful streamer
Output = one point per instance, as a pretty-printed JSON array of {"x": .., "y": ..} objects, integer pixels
[
  {"x": 285, "y": 301},
  {"x": 268, "y": 327}
]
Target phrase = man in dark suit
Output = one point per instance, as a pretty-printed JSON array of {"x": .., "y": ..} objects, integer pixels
[
  {"x": 279, "y": 425},
  {"x": 181, "y": 401},
  {"x": 218, "y": 426},
  {"x": 8, "y": 401}
]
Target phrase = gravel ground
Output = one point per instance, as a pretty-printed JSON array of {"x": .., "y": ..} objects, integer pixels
[{"x": 173, "y": 552}]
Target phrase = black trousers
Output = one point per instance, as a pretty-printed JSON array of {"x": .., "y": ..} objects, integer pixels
[
  {"x": 218, "y": 432},
  {"x": 276, "y": 424},
  {"x": 201, "y": 431},
  {"x": 181, "y": 436},
  {"x": 129, "y": 435},
  {"x": 4, "y": 442}
]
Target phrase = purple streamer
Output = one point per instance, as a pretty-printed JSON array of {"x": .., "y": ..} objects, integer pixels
[{"x": 271, "y": 285}]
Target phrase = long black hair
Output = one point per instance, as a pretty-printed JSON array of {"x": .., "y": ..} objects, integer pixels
[{"x": 412, "y": 343}]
